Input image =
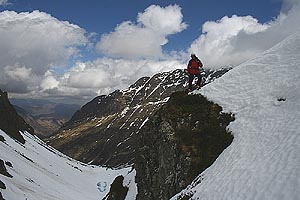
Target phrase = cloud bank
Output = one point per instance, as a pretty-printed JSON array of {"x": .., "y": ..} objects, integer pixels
[
  {"x": 232, "y": 40},
  {"x": 145, "y": 38},
  {"x": 36, "y": 45},
  {"x": 31, "y": 44},
  {"x": 36, "y": 49}
]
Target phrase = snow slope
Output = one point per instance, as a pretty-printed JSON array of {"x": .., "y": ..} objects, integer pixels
[
  {"x": 42, "y": 173},
  {"x": 263, "y": 162}
]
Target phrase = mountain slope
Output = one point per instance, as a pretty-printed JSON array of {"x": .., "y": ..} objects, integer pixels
[
  {"x": 40, "y": 172},
  {"x": 105, "y": 130},
  {"x": 263, "y": 160}
]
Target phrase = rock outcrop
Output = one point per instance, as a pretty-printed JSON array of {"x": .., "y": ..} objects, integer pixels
[
  {"x": 179, "y": 142},
  {"x": 10, "y": 121},
  {"x": 117, "y": 190}
]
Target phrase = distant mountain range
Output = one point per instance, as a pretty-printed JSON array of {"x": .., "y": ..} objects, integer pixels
[{"x": 44, "y": 116}]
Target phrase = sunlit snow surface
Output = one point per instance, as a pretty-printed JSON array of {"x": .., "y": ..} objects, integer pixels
[
  {"x": 263, "y": 161},
  {"x": 42, "y": 173}
]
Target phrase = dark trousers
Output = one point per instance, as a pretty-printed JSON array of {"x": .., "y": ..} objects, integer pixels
[{"x": 191, "y": 78}]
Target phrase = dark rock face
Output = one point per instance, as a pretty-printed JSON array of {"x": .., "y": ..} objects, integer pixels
[
  {"x": 117, "y": 190},
  {"x": 2, "y": 138},
  {"x": 2, "y": 186},
  {"x": 1, "y": 197},
  {"x": 179, "y": 142},
  {"x": 3, "y": 170},
  {"x": 105, "y": 131},
  {"x": 10, "y": 122}
]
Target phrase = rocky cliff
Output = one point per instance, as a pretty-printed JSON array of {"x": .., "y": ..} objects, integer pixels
[
  {"x": 10, "y": 121},
  {"x": 177, "y": 143},
  {"x": 105, "y": 131}
]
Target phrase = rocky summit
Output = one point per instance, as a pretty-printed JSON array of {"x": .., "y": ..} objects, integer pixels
[{"x": 105, "y": 130}]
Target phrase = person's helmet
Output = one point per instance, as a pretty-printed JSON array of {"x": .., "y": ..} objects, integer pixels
[{"x": 193, "y": 55}]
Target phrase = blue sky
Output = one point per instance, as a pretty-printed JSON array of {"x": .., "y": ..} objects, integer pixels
[{"x": 74, "y": 50}]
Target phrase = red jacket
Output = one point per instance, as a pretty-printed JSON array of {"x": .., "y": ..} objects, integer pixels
[{"x": 194, "y": 66}]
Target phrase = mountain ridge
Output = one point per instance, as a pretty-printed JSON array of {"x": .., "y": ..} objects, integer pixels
[{"x": 104, "y": 130}]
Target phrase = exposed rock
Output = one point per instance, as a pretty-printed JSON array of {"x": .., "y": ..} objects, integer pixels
[
  {"x": 180, "y": 141},
  {"x": 1, "y": 197},
  {"x": 10, "y": 122},
  {"x": 3, "y": 170},
  {"x": 2, "y": 186},
  {"x": 117, "y": 190},
  {"x": 2, "y": 139},
  {"x": 9, "y": 164}
]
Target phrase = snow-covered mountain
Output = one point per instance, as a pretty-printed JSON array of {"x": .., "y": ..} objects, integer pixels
[{"x": 263, "y": 161}]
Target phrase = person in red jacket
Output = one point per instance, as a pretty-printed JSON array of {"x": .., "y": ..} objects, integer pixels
[{"x": 193, "y": 70}]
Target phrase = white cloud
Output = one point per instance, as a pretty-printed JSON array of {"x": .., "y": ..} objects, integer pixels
[
  {"x": 145, "y": 38},
  {"x": 235, "y": 39},
  {"x": 49, "y": 82},
  {"x": 166, "y": 20},
  {"x": 37, "y": 42},
  {"x": 214, "y": 46},
  {"x": 18, "y": 73}
]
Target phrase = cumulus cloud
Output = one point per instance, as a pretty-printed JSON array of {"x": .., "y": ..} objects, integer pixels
[
  {"x": 232, "y": 40},
  {"x": 31, "y": 44},
  {"x": 49, "y": 82},
  {"x": 145, "y": 38}
]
